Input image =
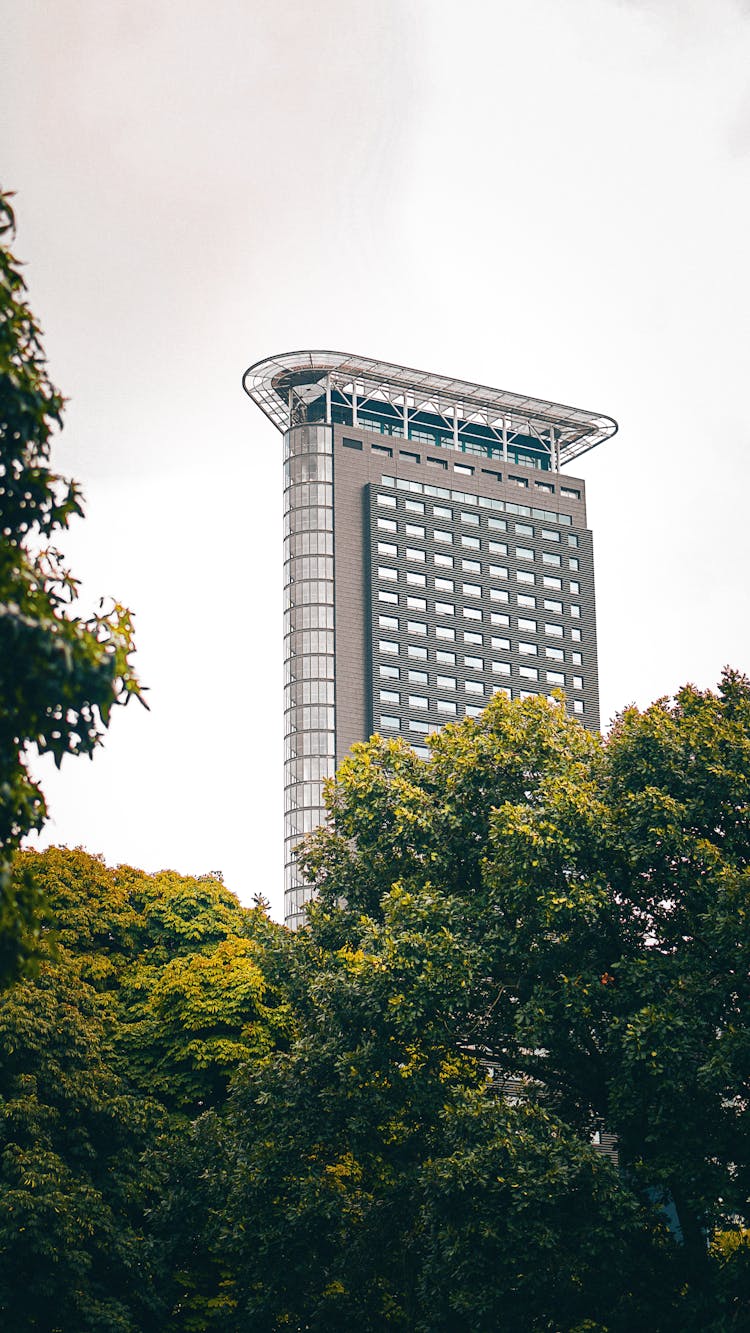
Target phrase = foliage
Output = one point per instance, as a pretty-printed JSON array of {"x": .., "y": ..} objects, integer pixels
[{"x": 60, "y": 672}]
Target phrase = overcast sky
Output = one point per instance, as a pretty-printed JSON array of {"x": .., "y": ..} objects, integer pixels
[{"x": 548, "y": 196}]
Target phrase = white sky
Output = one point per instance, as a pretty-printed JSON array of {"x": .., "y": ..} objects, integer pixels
[{"x": 550, "y": 197}]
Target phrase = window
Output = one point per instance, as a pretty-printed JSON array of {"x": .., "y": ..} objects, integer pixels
[
  {"x": 550, "y": 534},
  {"x": 416, "y": 580},
  {"x": 387, "y": 548},
  {"x": 524, "y": 599},
  {"x": 445, "y": 609},
  {"x": 572, "y": 539},
  {"x": 410, "y": 458},
  {"x": 556, "y": 677},
  {"x": 573, "y": 562},
  {"x": 473, "y": 542},
  {"x": 351, "y": 444},
  {"x": 554, "y": 631},
  {"x": 575, "y": 611},
  {"x": 387, "y": 524},
  {"x": 443, "y": 632},
  {"x": 528, "y": 625},
  {"x": 417, "y": 652},
  {"x": 556, "y": 654},
  {"x": 388, "y": 501},
  {"x": 474, "y": 687},
  {"x": 528, "y": 649},
  {"x": 518, "y": 481},
  {"x": 467, "y": 517},
  {"x": 416, "y": 603},
  {"x": 578, "y": 706},
  {"x": 498, "y": 571},
  {"x": 472, "y": 613},
  {"x": 498, "y": 548},
  {"x": 386, "y": 573},
  {"x": 414, "y": 530},
  {"x": 498, "y": 618},
  {"x": 382, "y": 449},
  {"x": 498, "y": 476},
  {"x": 551, "y": 605},
  {"x": 389, "y": 672},
  {"x": 422, "y": 727},
  {"x": 498, "y": 595},
  {"x": 501, "y": 668},
  {"x": 446, "y": 561},
  {"x": 578, "y": 682},
  {"x": 499, "y": 524},
  {"x": 413, "y": 553},
  {"x": 446, "y": 706},
  {"x": 524, "y": 529},
  {"x": 418, "y": 677},
  {"x": 577, "y": 659},
  {"x": 414, "y": 506},
  {"x": 417, "y": 701},
  {"x": 464, "y": 468},
  {"x": 437, "y": 462},
  {"x": 448, "y": 659},
  {"x": 471, "y": 566},
  {"x": 472, "y": 590},
  {"x": 388, "y": 646},
  {"x": 525, "y": 576},
  {"x": 392, "y": 723},
  {"x": 575, "y": 587},
  {"x": 524, "y": 553},
  {"x": 501, "y": 689},
  {"x": 570, "y": 493},
  {"x": 551, "y": 582},
  {"x": 471, "y": 637},
  {"x": 497, "y": 642},
  {"x": 473, "y": 711},
  {"x": 391, "y": 597},
  {"x": 442, "y": 536},
  {"x": 416, "y": 627},
  {"x": 551, "y": 558},
  {"x": 476, "y": 663},
  {"x": 545, "y": 486},
  {"x": 388, "y": 622},
  {"x": 528, "y": 673},
  {"x": 575, "y": 635},
  {"x": 390, "y": 696},
  {"x": 446, "y": 682},
  {"x": 444, "y": 585},
  {"x": 440, "y": 511},
  {"x": 421, "y": 750}
]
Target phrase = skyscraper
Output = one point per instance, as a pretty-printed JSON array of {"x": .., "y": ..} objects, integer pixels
[{"x": 434, "y": 553}]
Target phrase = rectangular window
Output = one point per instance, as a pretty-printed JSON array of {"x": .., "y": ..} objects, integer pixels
[
  {"x": 551, "y": 605},
  {"x": 444, "y": 585},
  {"x": 556, "y": 654},
  {"x": 410, "y": 457},
  {"x": 417, "y": 701},
  {"x": 418, "y": 677},
  {"x": 445, "y": 609},
  {"x": 387, "y": 524},
  {"x": 525, "y": 576},
  {"x": 551, "y": 558},
  {"x": 417, "y": 652},
  {"x": 528, "y": 649},
  {"x": 382, "y": 449},
  {"x": 445, "y": 561},
  {"x": 447, "y": 659},
  {"x": 578, "y": 706},
  {"x": 524, "y": 529},
  {"x": 570, "y": 493},
  {"x": 498, "y": 595},
  {"x": 392, "y": 723},
  {"x": 527, "y": 694},
  {"x": 498, "y": 548},
  {"x": 499, "y": 524},
  {"x": 498, "y": 642},
  {"x": 572, "y": 539},
  {"x": 573, "y": 562},
  {"x": 553, "y": 583},
  {"x": 544, "y": 486},
  {"x": 440, "y": 511},
  {"x": 575, "y": 587},
  {"x": 472, "y": 613},
  {"x": 554, "y": 631},
  {"x": 467, "y": 517},
  {"x": 575, "y": 635},
  {"x": 577, "y": 659},
  {"x": 498, "y": 476},
  {"x": 351, "y": 444},
  {"x": 499, "y": 618},
  {"x": 524, "y": 553},
  {"x": 446, "y": 682},
  {"x": 389, "y": 672},
  {"x": 388, "y": 646},
  {"x": 471, "y": 566},
  {"x": 473, "y": 543},
  {"x": 443, "y": 632},
  {"x": 416, "y": 580},
  {"x": 414, "y": 506},
  {"x": 575, "y": 611},
  {"x": 501, "y": 689},
  {"x": 446, "y": 706},
  {"x": 498, "y": 571},
  {"x": 556, "y": 677},
  {"x": 470, "y": 636},
  {"x": 518, "y": 481},
  {"x": 388, "y": 622},
  {"x": 550, "y": 534},
  {"x": 528, "y": 625},
  {"x": 416, "y": 627},
  {"x": 422, "y": 727},
  {"x": 464, "y": 469},
  {"x": 528, "y": 673},
  {"x": 578, "y": 682},
  {"x": 414, "y": 553},
  {"x": 473, "y": 710},
  {"x": 414, "y": 530},
  {"x": 501, "y": 668},
  {"x": 391, "y": 597},
  {"x": 524, "y": 599},
  {"x": 472, "y": 590},
  {"x": 474, "y": 687},
  {"x": 437, "y": 462},
  {"x": 388, "y": 574},
  {"x": 388, "y": 501},
  {"x": 476, "y": 663},
  {"x": 387, "y": 548},
  {"x": 416, "y": 603},
  {"x": 390, "y": 696},
  {"x": 441, "y": 535}
]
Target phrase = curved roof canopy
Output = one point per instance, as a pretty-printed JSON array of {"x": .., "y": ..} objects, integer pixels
[{"x": 285, "y": 386}]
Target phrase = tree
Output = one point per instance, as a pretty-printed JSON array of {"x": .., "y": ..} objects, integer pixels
[{"x": 60, "y": 672}]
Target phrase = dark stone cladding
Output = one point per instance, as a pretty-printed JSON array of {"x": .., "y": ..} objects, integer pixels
[{"x": 355, "y": 562}]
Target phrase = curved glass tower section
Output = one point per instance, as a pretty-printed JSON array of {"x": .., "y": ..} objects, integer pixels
[{"x": 309, "y": 718}]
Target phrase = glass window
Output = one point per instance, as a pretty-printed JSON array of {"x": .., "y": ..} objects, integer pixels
[
  {"x": 421, "y": 750},
  {"x": 575, "y": 587},
  {"x": 388, "y": 501},
  {"x": 472, "y": 590},
  {"x": 501, "y": 668},
  {"x": 416, "y": 580},
  {"x": 467, "y": 517},
  {"x": 464, "y": 469},
  {"x": 392, "y": 723},
  {"x": 476, "y": 663},
  {"x": 473, "y": 543},
  {"x": 390, "y": 696},
  {"x": 472, "y": 613},
  {"x": 528, "y": 673},
  {"x": 418, "y": 677},
  {"x": 382, "y": 449},
  {"x": 446, "y": 706},
  {"x": 578, "y": 706},
  {"x": 528, "y": 649},
  {"x": 388, "y": 646},
  {"x": 575, "y": 611},
  {"x": 498, "y": 548},
  {"x": 472, "y": 710},
  {"x": 471, "y": 637},
  {"x": 498, "y": 572},
  {"x": 444, "y": 585},
  {"x": 497, "y": 642},
  {"x": 388, "y": 622},
  {"x": 443, "y": 632},
  {"x": 551, "y": 605},
  {"x": 572, "y": 539},
  {"x": 389, "y": 672},
  {"x": 525, "y": 576},
  {"x": 557, "y": 654},
  {"x": 387, "y": 524},
  {"x": 448, "y": 659},
  {"x": 498, "y": 595},
  {"x": 577, "y": 659},
  {"x": 524, "y": 529},
  {"x": 578, "y": 682},
  {"x": 524, "y": 553},
  {"x": 351, "y": 444},
  {"x": 422, "y": 727},
  {"x": 499, "y": 618},
  {"x": 414, "y": 553},
  {"x": 575, "y": 635},
  {"x": 416, "y": 651},
  {"x": 550, "y": 534},
  {"x": 445, "y": 609},
  {"x": 556, "y": 677},
  {"x": 441, "y": 536},
  {"x": 417, "y": 701},
  {"x": 391, "y": 597},
  {"x": 551, "y": 582},
  {"x": 551, "y": 558},
  {"x": 528, "y": 625},
  {"x": 414, "y": 506},
  {"x": 440, "y": 511},
  {"x": 570, "y": 493},
  {"x": 554, "y": 631},
  {"x": 414, "y": 530},
  {"x": 499, "y": 524},
  {"x": 386, "y": 573},
  {"x": 524, "y": 599},
  {"x": 445, "y": 560},
  {"x": 416, "y": 627},
  {"x": 474, "y": 687},
  {"x": 446, "y": 682},
  {"x": 471, "y": 566},
  {"x": 416, "y": 603},
  {"x": 573, "y": 562}
]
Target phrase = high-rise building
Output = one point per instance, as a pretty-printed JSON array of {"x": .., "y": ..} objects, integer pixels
[{"x": 434, "y": 553}]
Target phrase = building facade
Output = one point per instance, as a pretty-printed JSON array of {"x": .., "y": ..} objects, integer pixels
[{"x": 434, "y": 554}]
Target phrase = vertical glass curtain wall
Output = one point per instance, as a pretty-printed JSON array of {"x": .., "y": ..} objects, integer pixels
[{"x": 309, "y": 721}]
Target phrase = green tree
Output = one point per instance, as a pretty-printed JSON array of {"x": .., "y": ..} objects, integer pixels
[{"x": 60, "y": 672}]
